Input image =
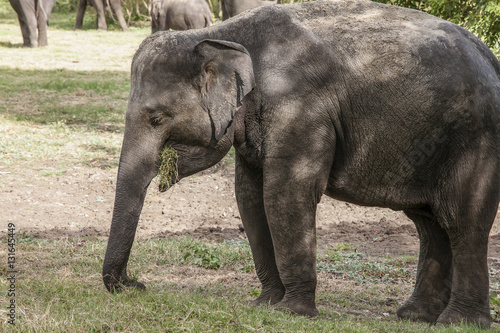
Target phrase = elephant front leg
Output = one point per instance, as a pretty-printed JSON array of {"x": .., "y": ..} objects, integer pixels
[
  {"x": 25, "y": 31},
  {"x": 28, "y": 22},
  {"x": 293, "y": 231},
  {"x": 253, "y": 216},
  {"x": 116, "y": 7},
  {"x": 42, "y": 26},
  {"x": 293, "y": 186},
  {"x": 292, "y": 224},
  {"x": 101, "y": 15},
  {"x": 80, "y": 12}
]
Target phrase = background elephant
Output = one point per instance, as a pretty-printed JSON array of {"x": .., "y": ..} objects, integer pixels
[
  {"x": 232, "y": 8},
  {"x": 179, "y": 15},
  {"x": 33, "y": 15},
  {"x": 100, "y": 6},
  {"x": 373, "y": 104}
]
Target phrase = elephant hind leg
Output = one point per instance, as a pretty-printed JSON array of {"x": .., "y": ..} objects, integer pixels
[
  {"x": 434, "y": 277},
  {"x": 118, "y": 11},
  {"x": 42, "y": 20},
  {"x": 27, "y": 22},
  {"x": 25, "y": 31},
  {"x": 467, "y": 210},
  {"x": 80, "y": 13}
]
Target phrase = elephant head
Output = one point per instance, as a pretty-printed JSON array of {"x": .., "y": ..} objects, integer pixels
[{"x": 183, "y": 95}]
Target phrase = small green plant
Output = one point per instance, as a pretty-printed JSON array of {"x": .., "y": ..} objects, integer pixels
[
  {"x": 344, "y": 247},
  {"x": 494, "y": 306},
  {"x": 365, "y": 271},
  {"x": 168, "y": 168},
  {"x": 24, "y": 237},
  {"x": 203, "y": 256},
  {"x": 254, "y": 292},
  {"x": 247, "y": 268}
]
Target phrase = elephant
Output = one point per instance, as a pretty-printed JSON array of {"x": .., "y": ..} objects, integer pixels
[
  {"x": 100, "y": 5},
  {"x": 179, "y": 15},
  {"x": 232, "y": 8},
  {"x": 368, "y": 103},
  {"x": 33, "y": 15}
]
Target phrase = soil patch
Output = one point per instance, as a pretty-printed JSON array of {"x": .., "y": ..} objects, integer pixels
[{"x": 79, "y": 204}]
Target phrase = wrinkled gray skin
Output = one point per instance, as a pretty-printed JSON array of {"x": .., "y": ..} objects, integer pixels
[
  {"x": 367, "y": 103},
  {"x": 100, "y": 6},
  {"x": 232, "y": 8},
  {"x": 33, "y": 15},
  {"x": 179, "y": 15}
]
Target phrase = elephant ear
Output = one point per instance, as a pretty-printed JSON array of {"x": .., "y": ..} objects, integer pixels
[{"x": 226, "y": 76}]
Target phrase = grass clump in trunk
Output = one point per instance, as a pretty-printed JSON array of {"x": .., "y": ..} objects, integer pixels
[{"x": 168, "y": 168}]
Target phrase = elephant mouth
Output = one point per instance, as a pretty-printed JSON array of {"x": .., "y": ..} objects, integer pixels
[{"x": 168, "y": 170}]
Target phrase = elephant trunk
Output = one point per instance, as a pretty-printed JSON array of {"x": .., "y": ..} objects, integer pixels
[{"x": 138, "y": 166}]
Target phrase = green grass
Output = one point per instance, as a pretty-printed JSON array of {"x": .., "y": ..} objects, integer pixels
[
  {"x": 63, "y": 105},
  {"x": 92, "y": 100},
  {"x": 69, "y": 295}
]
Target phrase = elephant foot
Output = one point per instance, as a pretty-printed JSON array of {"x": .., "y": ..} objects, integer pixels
[
  {"x": 269, "y": 296},
  {"x": 298, "y": 307},
  {"x": 415, "y": 310},
  {"x": 469, "y": 316},
  {"x": 136, "y": 285},
  {"x": 115, "y": 286},
  {"x": 119, "y": 287}
]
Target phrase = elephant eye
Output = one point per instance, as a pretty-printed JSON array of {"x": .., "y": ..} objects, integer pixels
[{"x": 155, "y": 120}]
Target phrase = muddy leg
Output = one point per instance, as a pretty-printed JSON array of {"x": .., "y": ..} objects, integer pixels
[
  {"x": 469, "y": 300},
  {"x": 251, "y": 207},
  {"x": 80, "y": 12},
  {"x": 467, "y": 218},
  {"x": 292, "y": 225},
  {"x": 434, "y": 275},
  {"x": 290, "y": 198}
]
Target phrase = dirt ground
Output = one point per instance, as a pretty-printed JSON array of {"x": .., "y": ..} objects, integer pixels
[{"x": 79, "y": 204}]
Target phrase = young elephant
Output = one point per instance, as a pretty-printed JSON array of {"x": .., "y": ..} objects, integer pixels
[
  {"x": 179, "y": 15},
  {"x": 33, "y": 15},
  {"x": 368, "y": 103}
]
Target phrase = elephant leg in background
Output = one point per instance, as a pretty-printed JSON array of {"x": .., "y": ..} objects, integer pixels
[
  {"x": 42, "y": 24},
  {"x": 101, "y": 16},
  {"x": 224, "y": 9},
  {"x": 434, "y": 274},
  {"x": 27, "y": 21},
  {"x": 253, "y": 216},
  {"x": 118, "y": 11},
  {"x": 80, "y": 12},
  {"x": 163, "y": 24}
]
